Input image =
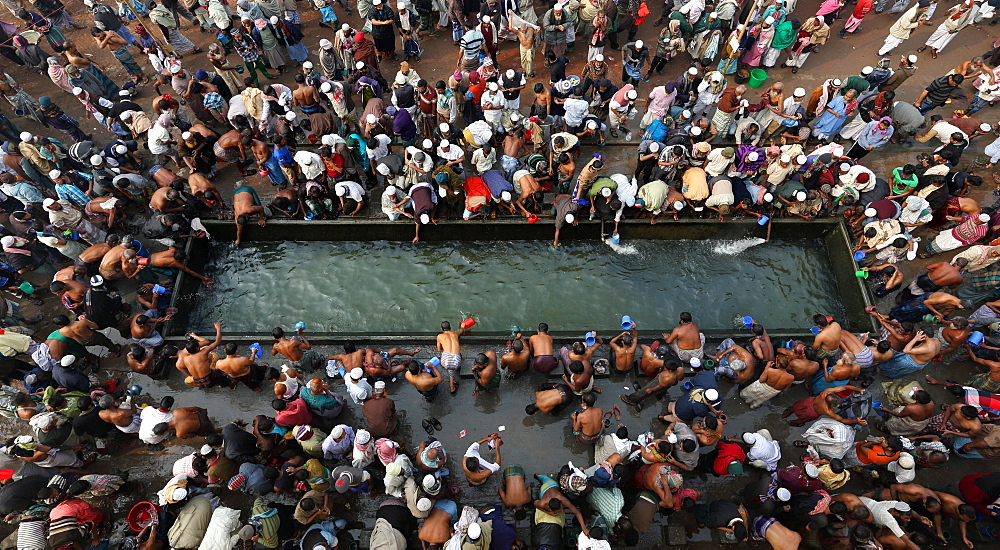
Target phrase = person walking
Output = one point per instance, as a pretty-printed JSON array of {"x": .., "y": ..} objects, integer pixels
[{"x": 904, "y": 26}]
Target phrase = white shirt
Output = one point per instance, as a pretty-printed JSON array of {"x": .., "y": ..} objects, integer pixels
[
  {"x": 159, "y": 138},
  {"x": 382, "y": 150},
  {"x": 314, "y": 168},
  {"x": 453, "y": 153},
  {"x": 944, "y": 131},
  {"x": 474, "y": 453},
  {"x": 359, "y": 391},
  {"x": 576, "y": 109},
  {"x": 352, "y": 191},
  {"x": 881, "y": 515},
  {"x": 482, "y": 161},
  {"x": 493, "y": 99},
  {"x": 149, "y": 418}
]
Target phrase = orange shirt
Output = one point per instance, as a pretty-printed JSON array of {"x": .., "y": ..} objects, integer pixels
[{"x": 874, "y": 455}]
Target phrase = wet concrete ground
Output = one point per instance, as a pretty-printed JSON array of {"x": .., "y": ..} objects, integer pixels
[{"x": 537, "y": 441}]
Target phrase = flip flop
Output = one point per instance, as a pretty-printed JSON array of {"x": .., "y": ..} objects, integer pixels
[
  {"x": 625, "y": 400},
  {"x": 436, "y": 423},
  {"x": 800, "y": 443},
  {"x": 427, "y": 427},
  {"x": 617, "y": 411}
]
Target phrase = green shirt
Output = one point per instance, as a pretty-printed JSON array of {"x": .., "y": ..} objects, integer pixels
[{"x": 899, "y": 183}]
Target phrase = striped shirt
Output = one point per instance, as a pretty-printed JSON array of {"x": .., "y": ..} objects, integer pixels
[
  {"x": 247, "y": 50},
  {"x": 71, "y": 193}
]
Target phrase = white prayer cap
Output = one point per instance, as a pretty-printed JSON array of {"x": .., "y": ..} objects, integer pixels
[
  {"x": 784, "y": 495},
  {"x": 359, "y": 65},
  {"x": 769, "y": 20},
  {"x": 679, "y": 205},
  {"x": 400, "y": 5},
  {"x": 53, "y": 174},
  {"x": 77, "y": 90},
  {"x": 912, "y": 58},
  {"x": 494, "y": 86},
  {"x": 26, "y": 136},
  {"x": 382, "y": 169},
  {"x": 632, "y": 94},
  {"x": 175, "y": 68},
  {"x": 655, "y": 147},
  {"x": 96, "y": 160},
  {"x": 505, "y": 196},
  {"x": 345, "y": 27},
  {"x": 606, "y": 192},
  {"x": 638, "y": 44},
  {"x": 424, "y": 504},
  {"x": 570, "y": 218},
  {"x": 274, "y": 20},
  {"x": 325, "y": 87},
  {"x": 474, "y": 531},
  {"x": 801, "y": 159},
  {"x": 693, "y": 71},
  {"x": 371, "y": 118},
  {"x": 716, "y": 77},
  {"x": 785, "y": 158},
  {"x": 390, "y": 191},
  {"x": 768, "y": 197},
  {"x": 121, "y": 149},
  {"x": 67, "y": 360},
  {"x": 425, "y": 219},
  {"x": 812, "y": 471},
  {"x": 712, "y": 394},
  {"x": 599, "y": 57},
  {"x": 427, "y": 144},
  {"x": 837, "y": 82},
  {"x": 867, "y": 70},
  {"x": 686, "y": 113},
  {"x": 985, "y": 127},
  {"x": 752, "y": 156},
  {"x": 845, "y": 166},
  {"x": 799, "y": 92},
  {"x": 591, "y": 124},
  {"x": 444, "y": 144},
  {"x": 184, "y": 135},
  {"x": 124, "y": 93},
  {"x": 325, "y": 44},
  {"x": 695, "y": 363},
  {"x": 400, "y": 79},
  {"x": 800, "y": 195},
  {"x": 307, "y": 65},
  {"x": 376, "y": 2},
  {"x": 672, "y": 438},
  {"x": 870, "y": 212},
  {"x": 206, "y": 450},
  {"x": 696, "y": 131},
  {"x": 984, "y": 217}
]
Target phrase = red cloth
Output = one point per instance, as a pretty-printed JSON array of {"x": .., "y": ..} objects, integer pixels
[
  {"x": 476, "y": 187},
  {"x": 804, "y": 409},
  {"x": 862, "y": 9},
  {"x": 973, "y": 494},
  {"x": 76, "y": 508},
  {"x": 728, "y": 452},
  {"x": 296, "y": 413}
]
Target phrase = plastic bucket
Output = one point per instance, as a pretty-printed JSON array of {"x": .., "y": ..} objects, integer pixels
[
  {"x": 468, "y": 323},
  {"x": 590, "y": 339},
  {"x": 976, "y": 338},
  {"x": 626, "y": 322},
  {"x": 861, "y": 273},
  {"x": 876, "y": 405},
  {"x": 142, "y": 514},
  {"x": 747, "y": 321},
  {"x": 763, "y": 220},
  {"x": 742, "y": 76},
  {"x": 859, "y": 255},
  {"x": 757, "y": 77}
]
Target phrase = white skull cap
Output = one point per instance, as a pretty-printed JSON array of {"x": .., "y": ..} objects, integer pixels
[
  {"x": 400, "y": 5},
  {"x": 307, "y": 65},
  {"x": 696, "y": 131},
  {"x": 870, "y": 212},
  {"x": 325, "y": 44},
  {"x": 371, "y": 118},
  {"x": 785, "y": 158},
  {"x": 505, "y": 195},
  {"x": 290, "y": 116},
  {"x": 443, "y": 127},
  {"x": 631, "y": 94},
  {"x": 599, "y": 57},
  {"x": 752, "y": 156},
  {"x": 695, "y": 362},
  {"x": 837, "y": 82},
  {"x": 77, "y": 90},
  {"x": 121, "y": 149},
  {"x": 784, "y": 495},
  {"x": 53, "y": 174},
  {"x": 606, "y": 192},
  {"x": 26, "y": 136},
  {"x": 654, "y": 147},
  {"x": 812, "y": 471},
  {"x": 390, "y": 191},
  {"x": 400, "y": 79},
  {"x": 800, "y": 195},
  {"x": 67, "y": 360},
  {"x": 427, "y": 144},
  {"x": 712, "y": 394},
  {"x": 425, "y": 219},
  {"x": 345, "y": 27},
  {"x": 769, "y": 20},
  {"x": 445, "y": 144},
  {"x": 693, "y": 71},
  {"x": 686, "y": 113},
  {"x": 985, "y": 127},
  {"x": 359, "y": 65},
  {"x": 801, "y": 159},
  {"x": 494, "y": 86},
  {"x": 912, "y": 58},
  {"x": 638, "y": 44},
  {"x": 768, "y": 197},
  {"x": 382, "y": 169},
  {"x": 274, "y": 20},
  {"x": 96, "y": 160},
  {"x": 867, "y": 70},
  {"x": 679, "y": 205},
  {"x": 799, "y": 92},
  {"x": 510, "y": 73},
  {"x": 325, "y": 87},
  {"x": 570, "y": 218},
  {"x": 424, "y": 504}
]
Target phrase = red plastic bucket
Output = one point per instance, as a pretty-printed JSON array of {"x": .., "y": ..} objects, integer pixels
[{"x": 142, "y": 514}]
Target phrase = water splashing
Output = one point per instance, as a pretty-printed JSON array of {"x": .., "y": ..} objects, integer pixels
[
  {"x": 733, "y": 248},
  {"x": 628, "y": 249}
]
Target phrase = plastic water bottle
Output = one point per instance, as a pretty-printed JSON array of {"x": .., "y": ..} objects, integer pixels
[{"x": 257, "y": 352}]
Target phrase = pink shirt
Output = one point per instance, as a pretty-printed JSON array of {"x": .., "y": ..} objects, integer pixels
[{"x": 660, "y": 101}]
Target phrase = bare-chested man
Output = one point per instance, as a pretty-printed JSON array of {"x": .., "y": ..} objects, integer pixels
[
  {"x": 551, "y": 398},
  {"x": 287, "y": 383},
  {"x": 197, "y": 362},
  {"x": 437, "y": 528},
  {"x": 530, "y": 188},
  {"x": 623, "y": 349},
  {"x": 91, "y": 257},
  {"x": 305, "y": 96},
  {"x": 838, "y": 374},
  {"x": 540, "y": 343},
  {"x": 190, "y": 422},
  {"x": 451, "y": 352},
  {"x": 126, "y": 420},
  {"x": 71, "y": 293},
  {"x": 898, "y": 334},
  {"x": 141, "y": 361},
  {"x": 799, "y": 361},
  {"x": 514, "y": 492},
  {"x": 144, "y": 330},
  {"x": 957, "y": 509},
  {"x": 581, "y": 377},
  {"x": 111, "y": 263},
  {"x": 686, "y": 341},
  {"x": 117, "y": 45},
  {"x": 206, "y": 192},
  {"x": 485, "y": 373},
  {"x": 772, "y": 382},
  {"x": 735, "y": 363},
  {"x": 669, "y": 375},
  {"x": 827, "y": 403},
  {"x": 351, "y": 359},
  {"x": 173, "y": 258},
  {"x": 519, "y": 356},
  {"x": 939, "y": 275},
  {"x": 166, "y": 200},
  {"x": 378, "y": 363},
  {"x": 588, "y": 423},
  {"x": 776, "y": 534},
  {"x": 241, "y": 369},
  {"x": 424, "y": 377},
  {"x": 246, "y": 204},
  {"x": 915, "y": 356},
  {"x": 827, "y": 341},
  {"x": 232, "y": 147},
  {"x": 652, "y": 362},
  {"x": 580, "y": 351},
  {"x": 864, "y": 356},
  {"x": 84, "y": 331},
  {"x": 296, "y": 349},
  {"x": 911, "y": 417}
]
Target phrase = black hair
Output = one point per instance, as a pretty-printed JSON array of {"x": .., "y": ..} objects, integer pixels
[
  {"x": 883, "y": 346},
  {"x": 231, "y": 348},
  {"x": 482, "y": 359},
  {"x": 531, "y": 409},
  {"x": 576, "y": 367},
  {"x": 472, "y": 463},
  {"x": 307, "y": 504},
  {"x": 539, "y": 88},
  {"x": 166, "y": 403},
  {"x": 922, "y": 397},
  {"x": 278, "y": 404},
  {"x": 278, "y": 333},
  {"x": 445, "y": 326},
  {"x": 543, "y": 327},
  {"x": 740, "y": 531},
  {"x": 688, "y": 445},
  {"x": 969, "y": 411},
  {"x": 590, "y": 398},
  {"x": 685, "y": 317},
  {"x": 837, "y": 465},
  {"x": 161, "y": 428}
]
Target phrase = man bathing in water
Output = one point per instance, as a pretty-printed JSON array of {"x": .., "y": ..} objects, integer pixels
[
  {"x": 827, "y": 341},
  {"x": 376, "y": 363},
  {"x": 451, "y": 352},
  {"x": 588, "y": 422},
  {"x": 686, "y": 340},
  {"x": 669, "y": 375},
  {"x": 735, "y": 363},
  {"x": 551, "y": 398},
  {"x": 197, "y": 362},
  {"x": 241, "y": 369},
  {"x": 246, "y": 204},
  {"x": 424, "y": 377},
  {"x": 623, "y": 349},
  {"x": 296, "y": 349},
  {"x": 517, "y": 359},
  {"x": 541, "y": 350}
]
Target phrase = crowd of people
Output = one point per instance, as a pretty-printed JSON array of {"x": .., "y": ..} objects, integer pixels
[{"x": 96, "y": 216}]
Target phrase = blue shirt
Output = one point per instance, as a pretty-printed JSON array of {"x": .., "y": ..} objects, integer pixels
[
  {"x": 24, "y": 192},
  {"x": 72, "y": 193}
]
